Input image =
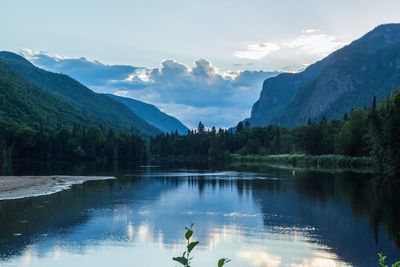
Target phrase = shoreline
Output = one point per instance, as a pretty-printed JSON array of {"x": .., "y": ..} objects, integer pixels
[
  {"x": 18, "y": 187},
  {"x": 313, "y": 162}
]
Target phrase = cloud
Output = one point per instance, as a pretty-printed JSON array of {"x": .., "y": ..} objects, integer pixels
[
  {"x": 309, "y": 46},
  {"x": 259, "y": 258},
  {"x": 319, "y": 258},
  {"x": 311, "y": 31},
  {"x": 90, "y": 73},
  {"x": 201, "y": 92},
  {"x": 316, "y": 43},
  {"x": 257, "y": 51}
]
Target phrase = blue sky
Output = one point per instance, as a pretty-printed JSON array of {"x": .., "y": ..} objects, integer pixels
[
  {"x": 144, "y": 33},
  {"x": 232, "y": 35}
]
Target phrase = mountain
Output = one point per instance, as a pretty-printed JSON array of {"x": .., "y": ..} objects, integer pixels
[
  {"x": 346, "y": 79},
  {"x": 24, "y": 103},
  {"x": 62, "y": 98},
  {"x": 152, "y": 115}
]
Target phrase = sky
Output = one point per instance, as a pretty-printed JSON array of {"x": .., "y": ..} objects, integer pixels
[{"x": 220, "y": 37}]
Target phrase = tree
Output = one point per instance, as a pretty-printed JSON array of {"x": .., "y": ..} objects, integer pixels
[
  {"x": 200, "y": 128},
  {"x": 239, "y": 127}
]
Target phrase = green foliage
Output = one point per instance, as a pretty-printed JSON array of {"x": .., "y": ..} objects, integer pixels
[
  {"x": 186, "y": 259},
  {"x": 24, "y": 103},
  {"x": 383, "y": 135},
  {"x": 362, "y": 136},
  {"x": 77, "y": 143},
  {"x": 222, "y": 262},
  {"x": 351, "y": 138},
  {"x": 152, "y": 115},
  {"x": 303, "y": 160},
  {"x": 36, "y": 97},
  {"x": 315, "y": 139},
  {"x": 382, "y": 259}
]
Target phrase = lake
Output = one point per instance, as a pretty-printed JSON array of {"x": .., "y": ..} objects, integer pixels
[{"x": 255, "y": 217}]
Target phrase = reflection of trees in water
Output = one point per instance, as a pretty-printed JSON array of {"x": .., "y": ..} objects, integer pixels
[
  {"x": 304, "y": 200},
  {"x": 65, "y": 168},
  {"x": 350, "y": 212},
  {"x": 24, "y": 221},
  {"x": 357, "y": 235}
]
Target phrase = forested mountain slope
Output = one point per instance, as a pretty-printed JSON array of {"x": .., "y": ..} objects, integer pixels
[
  {"x": 346, "y": 79},
  {"x": 72, "y": 96},
  {"x": 153, "y": 115}
]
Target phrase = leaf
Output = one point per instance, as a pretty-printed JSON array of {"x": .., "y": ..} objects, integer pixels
[
  {"x": 382, "y": 259},
  {"x": 192, "y": 245},
  {"x": 181, "y": 260},
  {"x": 222, "y": 262},
  {"x": 188, "y": 234}
]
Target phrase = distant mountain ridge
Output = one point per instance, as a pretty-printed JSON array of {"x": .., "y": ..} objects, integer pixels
[
  {"x": 37, "y": 96},
  {"x": 93, "y": 74},
  {"x": 21, "y": 102},
  {"x": 152, "y": 115},
  {"x": 346, "y": 79}
]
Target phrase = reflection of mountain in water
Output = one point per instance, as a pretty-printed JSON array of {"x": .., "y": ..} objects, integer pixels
[
  {"x": 343, "y": 212},
  {"x": 347, "y": 214}
]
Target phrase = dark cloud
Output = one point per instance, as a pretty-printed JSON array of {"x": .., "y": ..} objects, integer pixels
[{"x": 191, "y": 93}]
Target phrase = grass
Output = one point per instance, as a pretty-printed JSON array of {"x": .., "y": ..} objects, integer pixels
[{"x": 308, "y": 161}]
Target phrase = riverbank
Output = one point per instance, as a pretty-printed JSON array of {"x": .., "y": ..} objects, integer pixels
[
  {"x": 308, "y": 161},
  {"x": 14, "y": 187}
]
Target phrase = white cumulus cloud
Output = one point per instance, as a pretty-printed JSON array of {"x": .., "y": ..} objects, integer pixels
[{"x": 191, "y": 93}]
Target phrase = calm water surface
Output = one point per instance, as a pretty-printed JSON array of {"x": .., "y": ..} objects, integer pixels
[{"x": 266, "y": 217}]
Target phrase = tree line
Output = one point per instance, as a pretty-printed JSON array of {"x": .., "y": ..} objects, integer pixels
[
  {"x": 70, "y": 143},
  {"x": 370, "y": 132}
]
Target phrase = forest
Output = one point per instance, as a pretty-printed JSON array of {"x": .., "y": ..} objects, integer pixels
[
  {"x": 371, "y": 132},
  {"x": 367, "y": 132},
  {"x": 69, "y": 144}
]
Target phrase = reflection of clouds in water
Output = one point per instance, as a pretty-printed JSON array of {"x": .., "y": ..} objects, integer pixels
[
  {"x": 320, "y": 258},
  {"x": 226, "y": 234},
  {"x": 259, "y": 258},
  {"x": 239, "y": 215},
  {"x": 146, "y": 217},
  {"x": 57, "y": 252},
  {"x": 28, "y": 256},
  {"x": 120, "y": 213},
  {"x": 143, "y": 232},
  {"x": 129, "y": 231}
]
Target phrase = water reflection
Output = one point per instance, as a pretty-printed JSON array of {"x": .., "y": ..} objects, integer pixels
[{"x": 261, "y": 218}]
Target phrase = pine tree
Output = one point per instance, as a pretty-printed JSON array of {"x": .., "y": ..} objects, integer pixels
[
  {"x": 239, "y": 127},
  {"x": 200, "y": 128}
]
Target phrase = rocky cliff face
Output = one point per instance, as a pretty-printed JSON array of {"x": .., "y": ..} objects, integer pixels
[{"x": 346, "y": 79}]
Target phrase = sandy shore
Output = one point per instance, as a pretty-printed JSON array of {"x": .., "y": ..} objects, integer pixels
[{"x": 13, "y": 187}]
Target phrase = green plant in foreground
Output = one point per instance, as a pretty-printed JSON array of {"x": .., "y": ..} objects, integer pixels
[
  {"x": 186, "y": 259},
  {"x": 382, "y": 259}
]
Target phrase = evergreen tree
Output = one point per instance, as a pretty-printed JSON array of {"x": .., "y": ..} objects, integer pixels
[
  {"x": 200, "y": 128},
  {"x": 239, "y": 127}
]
